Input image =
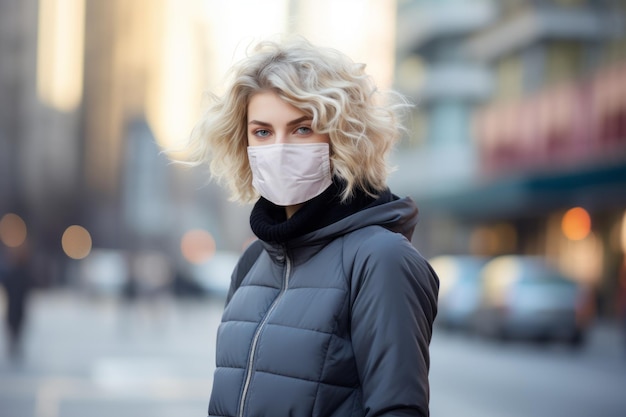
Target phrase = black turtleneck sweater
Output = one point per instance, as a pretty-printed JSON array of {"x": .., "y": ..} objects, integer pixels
[{"x": 269, "y": 221}]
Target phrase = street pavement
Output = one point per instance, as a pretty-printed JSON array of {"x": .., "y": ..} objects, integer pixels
[
  {"x": 471, "y": 376},
  {"x": 88, "y": 356}
]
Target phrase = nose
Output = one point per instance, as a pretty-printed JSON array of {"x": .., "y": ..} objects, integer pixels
[{"x": 281, "y": 137}]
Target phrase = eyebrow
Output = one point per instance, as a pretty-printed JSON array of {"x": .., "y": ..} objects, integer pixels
[{"x": 291, "y": 123}]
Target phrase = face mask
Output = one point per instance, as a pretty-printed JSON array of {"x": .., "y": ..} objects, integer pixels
[{"x": 288, "y": 174}]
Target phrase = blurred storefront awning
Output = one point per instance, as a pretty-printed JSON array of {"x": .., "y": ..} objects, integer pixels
[{"x": 599, "y": 187}]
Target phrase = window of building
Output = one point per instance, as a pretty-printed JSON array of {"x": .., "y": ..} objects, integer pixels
[
  {"x": 564, "y": 61},
  {"x": 509, "y": 78},
  {"x": 450, "y": 123}
]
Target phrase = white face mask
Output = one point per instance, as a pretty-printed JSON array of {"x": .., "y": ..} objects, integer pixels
[{"x": 287, "y": 173}]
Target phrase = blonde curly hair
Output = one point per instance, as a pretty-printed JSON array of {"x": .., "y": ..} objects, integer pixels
[{"x": 324, "y": 84}]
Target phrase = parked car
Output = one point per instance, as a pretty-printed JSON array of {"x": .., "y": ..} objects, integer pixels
[
  {"x": 460, "y": 289},
  {"x": 526, "y": 297}
]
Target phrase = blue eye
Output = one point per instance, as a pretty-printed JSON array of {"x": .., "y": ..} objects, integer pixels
[
  {"x": 262, "y": 133},
  {"x": 304, "y": 130}
]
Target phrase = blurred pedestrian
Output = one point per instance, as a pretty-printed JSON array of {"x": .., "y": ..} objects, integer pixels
[
  {"x": 621, "y": 297},
  {"x": 330, "y": 312},
  {"x": 15, "y": 278}
]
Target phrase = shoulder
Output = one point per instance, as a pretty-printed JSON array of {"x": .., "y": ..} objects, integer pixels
[
  {"x": 379, "y": 254},
  {"x": 384, "y": 265},
  {"x": 252, "y": 252},
  {"x": 247, "y": 259},
  {"x": 377, "y": 243}
]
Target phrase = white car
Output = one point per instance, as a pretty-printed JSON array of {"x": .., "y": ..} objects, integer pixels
[{"x": 525, "y": 297}]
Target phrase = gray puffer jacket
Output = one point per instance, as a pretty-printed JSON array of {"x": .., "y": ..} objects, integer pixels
[{"x": 336, "y": 323}]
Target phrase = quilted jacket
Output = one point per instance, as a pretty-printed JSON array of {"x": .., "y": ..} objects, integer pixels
[{"x": 336, "y": 322}]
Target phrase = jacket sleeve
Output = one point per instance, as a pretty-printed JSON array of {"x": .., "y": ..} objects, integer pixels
[{"x": 394, "y": 303}]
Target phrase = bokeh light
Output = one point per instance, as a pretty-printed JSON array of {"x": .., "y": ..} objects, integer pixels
[
  {"x": 447, "y": 270},
  {"x": 576, "y": 223},
  {"x": 623, "y": 233},
  {"x": 60, "y": 53},
  {"x": 76, "y": 242},
  {"x": 12, "y": 230},
  {"x": 197, "y": 246},
  {"x": 498, "y": 274}
]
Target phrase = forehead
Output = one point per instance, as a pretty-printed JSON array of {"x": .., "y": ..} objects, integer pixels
[{"x": 267, "y": 106}]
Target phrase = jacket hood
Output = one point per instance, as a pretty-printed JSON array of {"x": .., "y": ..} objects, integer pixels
[{"x": 399, "y": 215}]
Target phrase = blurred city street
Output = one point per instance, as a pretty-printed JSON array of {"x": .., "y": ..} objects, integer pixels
[{"x": 94, "y": 357}]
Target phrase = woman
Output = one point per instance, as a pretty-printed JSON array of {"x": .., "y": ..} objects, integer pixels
[{"x": 330, "y": 312}]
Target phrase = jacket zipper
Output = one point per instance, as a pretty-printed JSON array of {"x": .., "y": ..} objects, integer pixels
[{"x": 255, "y": 339}]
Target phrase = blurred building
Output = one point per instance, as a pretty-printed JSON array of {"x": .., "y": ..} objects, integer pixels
[
  {"x": 133, "y": 108},
  {"x": 522, "y": 147},
  {"x": 40, "y": 161},
  {"x": 93, "y": 91}
]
